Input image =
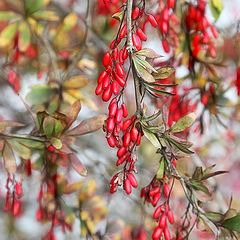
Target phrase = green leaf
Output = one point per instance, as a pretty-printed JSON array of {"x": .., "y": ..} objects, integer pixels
[
  {"x": 23, "y": 151},
  {"x": 183, "y": 123},
  {"x": 48, "y": 126},
  {"x": 33, "y": 144},
  {"x": 232, "y": 224},
  {"x": 24, "y": 36},
  {"x": 163, "y": 72},
  {"x": 214, "y": 216},
  {"x": 7, "y": 35},
  {"x": 199, "y": 186},
  {"x": 8, "y": 15},
  {"x": 157, "y": 92},
  {"x": 40, "y": 94},
  {"x": 118, "y": 15},
  {"x": 59, "y": 127},
  {"x": 160, "y": 172},
  {"x": 46, "y": 15},
  {"x": 216, "y": 7},
  {"x": 179, "y": 146},
  {"x": 89, "y": 125},
  {"x": 56, "y": 142},
  {"x": 151, "y": 137},
  {"x": 141, "y": 61},
  {"x": 153, "y": 117},
  {"x": 34, "y": 5},
  {"x": 143, "y": 73},
  {"x": 9, "y": 158}
]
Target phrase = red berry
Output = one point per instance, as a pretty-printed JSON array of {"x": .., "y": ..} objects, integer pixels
[
  {"x": 119, "y": 70},
  {"x": 166, "y": 190},
  {"x": 126, "y": 139},
  {"x": 110, "y": 124},
  {"x": 102, "y": 76},
  {"x": 132, "y": 180},
  {"x": 126, "y": 124},
  {"x": 107, "y": 93},
  {"x": 166, "y": 46},
  {"x": 157, "y": 233},
  {"x": 111, "y": 141},
  {"x": 141, "y": 34},
  {"x": 157, "y": 212},
  {"x": 137, "y": 41},
  {"x": 106, "y": 59},
  {"x": 127, "y": 186},
  {"x": 112, "y": 108},
  {"x": 162, "y": 221},
  {"x": 115, "y": 88},
  {"x": 125, "y": 111},
  {"x": 135, "y": 13},
  {"x": 152, "y": 20},
  {"x": 166, "y": 233},
  {"x": 134, "y": 134},
  {"x": 170, "y": 217},
  {"x": 171, "y": 3},
  {"x": 123, "y": 31},
  {"x": 119, "y": 115},
  {"x": 121, "y": 151}
]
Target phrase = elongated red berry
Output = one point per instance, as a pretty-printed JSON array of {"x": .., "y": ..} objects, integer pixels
[
  {"x": 166, "y": 233},
  {"x": 121, "y": 151},
  {"x": 119, "y": 70},
  {"x": 102, "y": 76},
  {"x": 112, "y": 108},
  {"x": 141, "y": 34},
  {"x": 166, "y": 190},
  {"x": 135, "y": 13},
  {"x": 120, "y": 81},
  {"x": 115, "y": 87},
  {"x": 106, "y": 59},
  {"x": 125, "y": 53},
  {"x": 110, "y": 124},
  {"x": 99, "y": 89},
  {"x": 16, "y": 209},
  {"x": 152, "y": 20},
  {"x": 127, "y": 186},
  {"x": 162, "y": 221},
  {"x": 137, "y": 41},
  {"x": 122, "y": 159},
  {"x": 111, "y": 141},
  {"x": 134, "y": 134},
  {"x": 115, "y": 54},
  {"x": 157, "y": 233},
  {"x": 125, "y": 111},
  {"x": 157, "y": 212},
  {"x": 107, "y": 93},
  {"x": 119, "y": 115},
  {"x": 166, "y": 46},
  {"x": 154, "y": 191},
  {"x": 106, "y": 82},
  {"x": 123, "y": 31},
  {"x": 132, "y": 180},
  {"x": 170, "y": 217},
  {"x": 126, "y": 139},
  {"x": 126, "y": 124}
]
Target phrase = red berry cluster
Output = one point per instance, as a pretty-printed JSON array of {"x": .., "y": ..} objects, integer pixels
[
  {"x": 200, "y": 28},
  {"x": 164, "y": 17},
  {"x": 49, "y": 209},
  {"x": 13, "y": 197},
  {"x": 111, "y": 80},
  {"x": 152, "y": 194}
]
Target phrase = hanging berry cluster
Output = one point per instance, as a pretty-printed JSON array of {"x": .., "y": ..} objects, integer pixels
[
  {"x": 157, "y": 190},
  {"x": 201, "y": 29},
  {"x": 13, "y": 196}
]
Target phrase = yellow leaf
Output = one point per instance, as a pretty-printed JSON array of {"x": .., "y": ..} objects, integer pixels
[
  {"x": 7, "y": 35},
  {"x": 46, "y": 15},
  {"x": 24, "y": 36},
  {"x": 70, "y": 21},
  {"x": 75, "y": 82}
]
